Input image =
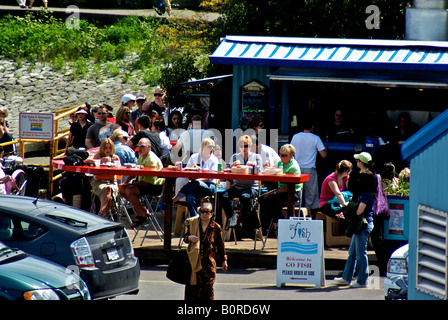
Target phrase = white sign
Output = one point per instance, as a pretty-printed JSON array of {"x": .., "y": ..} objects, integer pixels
[
  {"x": 300, "y": 252},
  {"x": 36, "y": 126}
]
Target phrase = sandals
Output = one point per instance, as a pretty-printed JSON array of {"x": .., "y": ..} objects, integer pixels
[{"x": 138, "y": 221}]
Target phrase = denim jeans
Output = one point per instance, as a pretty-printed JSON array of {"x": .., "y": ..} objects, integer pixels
[
  {"x": 357, "y": 257},
  {"x": 194, "y": 190},
  {"x": 245, "y": 196}
]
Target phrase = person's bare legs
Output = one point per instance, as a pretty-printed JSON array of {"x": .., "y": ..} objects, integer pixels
[
  {"x": 132, "y": 194},
  {"x": 31, "y": 4},
  {"x": 106, "y": 202}
]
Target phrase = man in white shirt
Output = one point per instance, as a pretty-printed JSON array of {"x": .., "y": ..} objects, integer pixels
[{"x": 308, "y": 145}]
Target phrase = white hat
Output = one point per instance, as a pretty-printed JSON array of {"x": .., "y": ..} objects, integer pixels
[
  {"x": 81, "y": 111},
  {"x": 364, "y": 157},
  {"x": 128, "y": 97}
]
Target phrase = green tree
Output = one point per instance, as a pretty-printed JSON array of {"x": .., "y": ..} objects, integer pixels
[{"x": 310, "y": 18}]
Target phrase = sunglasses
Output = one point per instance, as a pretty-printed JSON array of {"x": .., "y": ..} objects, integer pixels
[
  {"x": 127, "y": 113},
  {"x": 142, "y": 145},
  {"x": 284, "y": 155},
  {"x": 205, "y": 211},
  {"x": 158, "y": 94},
  {"x": 245, "y": 146},
  {"x": 100, "y": 113}
]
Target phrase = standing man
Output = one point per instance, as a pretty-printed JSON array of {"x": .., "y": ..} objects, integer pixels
[
  {"x": 100, "y": 130},
  {"x": 308, "y": 145},
  {"x": 140, "y": 100},
  {"x": 144, "y": 185}
]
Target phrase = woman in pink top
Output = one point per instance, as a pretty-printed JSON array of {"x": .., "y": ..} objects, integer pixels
[{"x": 333, "y": 185}]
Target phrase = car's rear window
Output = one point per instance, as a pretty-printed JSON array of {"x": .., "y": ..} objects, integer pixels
[{"x": 72, "y": 217}]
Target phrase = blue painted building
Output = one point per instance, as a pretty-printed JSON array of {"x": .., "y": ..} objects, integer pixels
[
  {"x": 427, "y": 151},
  {"x": 373, "y": 81},
  {"x": 294, "y": 68}
]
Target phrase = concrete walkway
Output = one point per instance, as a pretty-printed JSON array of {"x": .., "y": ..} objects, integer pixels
[
  {"x": 240, "y": 254},
  {"x": 182, "y": 14}
]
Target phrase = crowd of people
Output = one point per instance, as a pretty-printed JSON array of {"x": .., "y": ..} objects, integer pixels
[{"x": 148, "y": 134}]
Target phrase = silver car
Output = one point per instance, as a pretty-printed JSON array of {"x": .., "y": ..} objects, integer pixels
[{"x": 396, "y": 282}]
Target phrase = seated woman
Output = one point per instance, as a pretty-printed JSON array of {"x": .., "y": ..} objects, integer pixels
[
  {"x": 332, "y": 186},
  {"x": 272, "y": 202},
  {"x": 105, "y": 186},
  {"x": 245, "y": 190},
  {"x": 199, "y": 188}
]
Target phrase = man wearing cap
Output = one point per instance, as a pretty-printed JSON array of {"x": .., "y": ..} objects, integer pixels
[
  {"x": 78, "y": 129},
  {"x": 128, "y": 100},
  {"x": 100, "y": 130},
  {"x": 140, "y": 100}
]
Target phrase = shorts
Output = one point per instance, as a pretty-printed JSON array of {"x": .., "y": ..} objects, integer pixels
[{"x": 98, "y": 187}]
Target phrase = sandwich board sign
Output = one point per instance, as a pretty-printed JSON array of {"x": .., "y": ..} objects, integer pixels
[{"x": 300, "y": 252}]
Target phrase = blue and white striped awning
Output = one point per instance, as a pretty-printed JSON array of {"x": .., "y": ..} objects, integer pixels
[{"x": 352, "y": 54}]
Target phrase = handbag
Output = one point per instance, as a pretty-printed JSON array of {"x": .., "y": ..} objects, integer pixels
[
  {"x": 380, "y": 207},
  {"x": 179, "y": 268}
]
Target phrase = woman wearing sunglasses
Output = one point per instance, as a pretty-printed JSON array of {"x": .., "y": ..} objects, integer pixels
[
  {"x": 205, "y": 248},
  {"x": 271, "y": 203},
  {"x": 158, "y": 106}
]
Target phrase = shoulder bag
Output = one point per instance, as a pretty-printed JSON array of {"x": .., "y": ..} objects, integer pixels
[{"x": 179, "y": 268}]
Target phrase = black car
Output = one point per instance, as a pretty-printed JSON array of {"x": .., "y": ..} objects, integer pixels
[{"x": 100, "y": 249}]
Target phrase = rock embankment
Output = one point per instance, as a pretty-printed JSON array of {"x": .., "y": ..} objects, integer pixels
[{"x": 36, "y": 87}]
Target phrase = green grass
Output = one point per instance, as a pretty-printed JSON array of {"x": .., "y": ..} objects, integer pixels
[{"x": 154, "y": 44}]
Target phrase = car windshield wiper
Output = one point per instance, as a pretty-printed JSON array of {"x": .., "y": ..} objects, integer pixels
[{"x": 70, "y": 221}]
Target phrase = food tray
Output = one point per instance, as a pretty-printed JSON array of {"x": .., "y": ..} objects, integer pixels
[
  {"x": 240, "y": 169},
  {"x": 272, "y": 171}
]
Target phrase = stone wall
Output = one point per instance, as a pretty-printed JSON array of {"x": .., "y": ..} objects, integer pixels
[{"x": 39, "y": 88}]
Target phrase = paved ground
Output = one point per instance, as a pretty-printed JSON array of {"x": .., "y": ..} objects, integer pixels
[
  {"x": 123, "y": 12},
  {"x": 241, "y": 253}
]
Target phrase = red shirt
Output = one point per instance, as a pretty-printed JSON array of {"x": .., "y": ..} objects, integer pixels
[{"x": 326, "y": 194}]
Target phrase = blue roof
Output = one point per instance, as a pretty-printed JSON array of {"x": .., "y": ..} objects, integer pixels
[
  {"x": 354, "y": 54},
  {"x": 423, "y": 138}
]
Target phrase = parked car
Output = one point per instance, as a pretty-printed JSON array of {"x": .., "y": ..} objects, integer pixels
[
  {"x": 101, "y": 249},
  {"x": 25, "y": 277},
  {"x": 396, "y": 282}
]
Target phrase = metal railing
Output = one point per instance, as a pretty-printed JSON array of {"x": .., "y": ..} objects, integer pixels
[{"x": 55, "y": 152}]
